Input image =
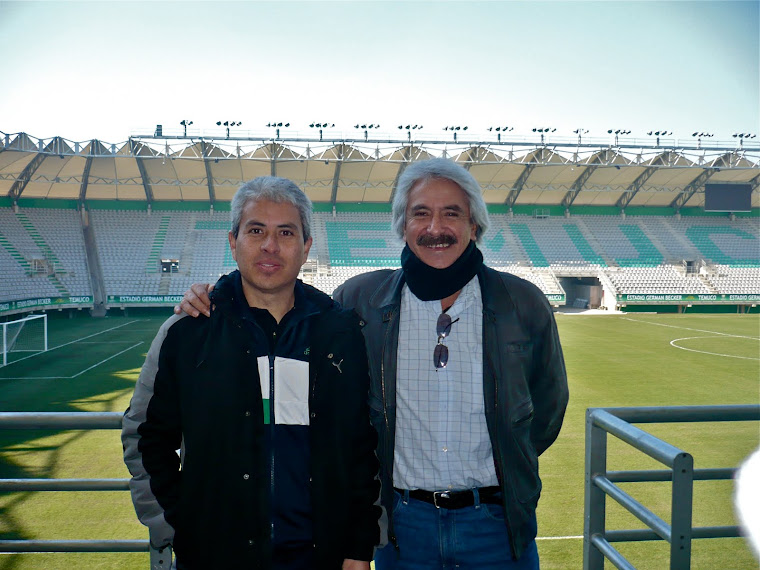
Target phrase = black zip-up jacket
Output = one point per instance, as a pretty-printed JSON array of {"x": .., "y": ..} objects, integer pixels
[
  {"x": 524, "y": 382},
  {"x": 199, "y": 389}
]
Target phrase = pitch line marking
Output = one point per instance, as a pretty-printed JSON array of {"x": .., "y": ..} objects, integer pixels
[
  {"x": 706, "y": 352},
  {"x": 689, "y": 329},
  {"x": 107, "y": 359},
  {"x": 714, "y": 334},
  {"x": 106, "y": 342},
  {"x": 559, "y": 537},
  {"x": 72, "y": 342},
  {"x": 75, "y": 375}
]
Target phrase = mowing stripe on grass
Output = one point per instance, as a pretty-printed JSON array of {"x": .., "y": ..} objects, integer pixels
[
  {"x": 75, "y": 375},
  {"x": 72, "y": 342},
  {"x": 107, "y": 359}
]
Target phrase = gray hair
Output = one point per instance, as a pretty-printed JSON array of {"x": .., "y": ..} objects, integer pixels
[
  {"x": 441, "y": 168},
  {"x": 274, "y": 189}
]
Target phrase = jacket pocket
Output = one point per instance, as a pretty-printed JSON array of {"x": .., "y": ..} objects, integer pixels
[
  {"x": 517, "y": 347},
  {"x": 523, "y": 413}
]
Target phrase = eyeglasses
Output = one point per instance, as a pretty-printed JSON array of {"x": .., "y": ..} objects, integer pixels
[{"x": 441, "y": 351}]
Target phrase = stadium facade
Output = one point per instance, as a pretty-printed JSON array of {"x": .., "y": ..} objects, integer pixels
[{"x": 594, "y": 223}]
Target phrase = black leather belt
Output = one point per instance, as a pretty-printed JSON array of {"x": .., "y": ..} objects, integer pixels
[{"x": 456, "y": 499}]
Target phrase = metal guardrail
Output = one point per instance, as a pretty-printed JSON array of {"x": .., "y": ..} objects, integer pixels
[
  {"x": 601, "y": 483},
  {"x": 159, "y": 559}
]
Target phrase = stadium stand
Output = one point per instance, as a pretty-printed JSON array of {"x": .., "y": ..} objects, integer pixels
[
  {"x": 132, "y": 244},
  {"x": 43, "y": 254},
  {"x": 43, "y": 251}
]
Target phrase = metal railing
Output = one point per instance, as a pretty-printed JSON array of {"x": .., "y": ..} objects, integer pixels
[
  {"x": 159, "y": 559},
  {"x": 601, "y": 483}
]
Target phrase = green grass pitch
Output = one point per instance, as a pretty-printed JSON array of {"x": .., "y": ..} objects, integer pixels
[{"x": 612, "y": 360}]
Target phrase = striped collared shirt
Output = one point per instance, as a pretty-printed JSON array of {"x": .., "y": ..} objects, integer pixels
[{"x": 442, "y": 439}]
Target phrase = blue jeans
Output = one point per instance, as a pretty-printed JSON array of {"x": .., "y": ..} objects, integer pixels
[{"x": 430, "y": 538}]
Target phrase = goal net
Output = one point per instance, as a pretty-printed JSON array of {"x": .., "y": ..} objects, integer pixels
[{"x": 24, "y": 335}]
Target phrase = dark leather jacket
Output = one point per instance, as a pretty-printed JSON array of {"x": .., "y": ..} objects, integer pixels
[{"x": 525, "y": 383}]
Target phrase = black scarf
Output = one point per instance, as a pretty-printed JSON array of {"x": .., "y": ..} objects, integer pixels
[{"x": 431, "y": 284}]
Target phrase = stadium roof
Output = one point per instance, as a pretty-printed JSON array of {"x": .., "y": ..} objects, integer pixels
[{"x": 511, "y": 172}]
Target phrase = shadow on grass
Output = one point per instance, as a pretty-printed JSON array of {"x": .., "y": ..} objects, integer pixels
[{"x": 59, "y": 381}]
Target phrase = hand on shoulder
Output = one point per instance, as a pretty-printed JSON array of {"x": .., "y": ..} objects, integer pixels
[{"x": 196, "y": 300}]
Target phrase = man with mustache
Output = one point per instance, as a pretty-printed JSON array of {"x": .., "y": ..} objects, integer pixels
[
  {"x": 468, "y": 383},
  {"x": 267, "y": 399}
]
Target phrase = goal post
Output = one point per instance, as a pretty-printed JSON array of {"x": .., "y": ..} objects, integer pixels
[{"x": 29, "y": 334}]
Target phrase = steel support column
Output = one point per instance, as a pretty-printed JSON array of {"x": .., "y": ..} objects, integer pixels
[
  {"x": 336, "y": 177},
  {"x": 209, "y": 177},
  {"x": 273, "y": 162},
  {"x": 26, "y": 176},
  {"x": 85, "y": 180},
  {"x": 635, "y": 186},
  {"x": 517, "y": 188},
  {"x": 595, "y": 498},
  {"x": 681, "y": 512},
  {"x": 577, "y": 186},
  {"x": 143, "y": 173},
  {"x": 691, "y": 188},
  {"x": 407, "y": 153}
]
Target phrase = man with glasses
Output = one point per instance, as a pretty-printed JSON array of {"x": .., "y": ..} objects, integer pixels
[{"x": 468, "y": 383}]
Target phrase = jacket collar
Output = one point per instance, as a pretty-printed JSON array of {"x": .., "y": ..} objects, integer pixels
[
  {"x": 228, "y": 299},
  {"x": 228, "y": 292},
  {"x": 389, "y": 291},
  {"x": 496, "y": 297}
]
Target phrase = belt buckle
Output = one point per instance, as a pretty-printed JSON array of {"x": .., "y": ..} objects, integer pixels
[{"x": 442, "y": 495}]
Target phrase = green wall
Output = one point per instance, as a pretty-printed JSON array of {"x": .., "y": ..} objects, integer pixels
[{"x": 224, "y": 206}]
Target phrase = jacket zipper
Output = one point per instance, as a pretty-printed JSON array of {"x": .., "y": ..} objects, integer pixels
[
  {"x": 391, "y": 536},
  {"x": 496, "y": 446},
  {"x": 382, "y": 376},
  {"x": 271, "y": 444}
]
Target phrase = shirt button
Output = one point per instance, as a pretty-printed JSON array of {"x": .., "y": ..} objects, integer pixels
[
  {"x": 250, "y": 542},
  {"x": 330, "y": 355},
  {"x": 247, "y": 413},
  {"x": 248, "y": 351},
  {"x": 445, "y": 449},
  {"x": 246, "y": 476},
  {"x": 313, "y": 415}
]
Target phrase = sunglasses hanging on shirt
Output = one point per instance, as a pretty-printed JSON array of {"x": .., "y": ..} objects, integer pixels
[{"x": 441, "y": 351}]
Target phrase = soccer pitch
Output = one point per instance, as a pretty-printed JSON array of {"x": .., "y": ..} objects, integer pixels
[{"x": 612, "y": 360}]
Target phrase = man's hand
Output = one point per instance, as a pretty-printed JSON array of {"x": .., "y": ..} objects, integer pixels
[
  {"x": 349, "y": 564},
  {"x": 196, "y": 301}
]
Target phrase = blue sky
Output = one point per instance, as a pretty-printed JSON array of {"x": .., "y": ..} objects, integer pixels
[{"x": 104, "y": 70}]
